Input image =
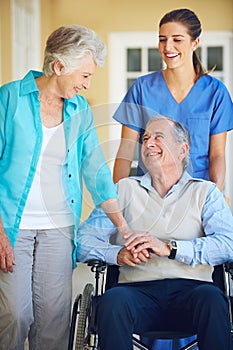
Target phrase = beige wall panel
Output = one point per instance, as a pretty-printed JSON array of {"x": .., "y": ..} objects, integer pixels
[{"x": 5, "y": 40}]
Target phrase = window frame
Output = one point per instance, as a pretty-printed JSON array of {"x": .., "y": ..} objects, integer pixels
[{"x": 25, "y": 37}]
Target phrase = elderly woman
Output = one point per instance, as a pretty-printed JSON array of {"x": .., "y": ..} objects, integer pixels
[{"x": 48, "y": 143}]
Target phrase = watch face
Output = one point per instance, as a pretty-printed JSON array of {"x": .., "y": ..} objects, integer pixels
[{"x": 173, "y": 244}]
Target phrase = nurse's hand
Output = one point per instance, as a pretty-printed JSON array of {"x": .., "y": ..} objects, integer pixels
[{"x": 6, "y": 253}]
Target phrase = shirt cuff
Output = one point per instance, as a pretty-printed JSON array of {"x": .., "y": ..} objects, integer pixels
[
  {"x": 185, "y": 252},
  {"x": 111, "y": 254}
]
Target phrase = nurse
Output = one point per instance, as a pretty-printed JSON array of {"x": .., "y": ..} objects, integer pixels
[
  {"x": 188, "y": 94},
  {"x": 183, "y": 91}
]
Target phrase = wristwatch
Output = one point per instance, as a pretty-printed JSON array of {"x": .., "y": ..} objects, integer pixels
[{"x": 173, "y": 248}]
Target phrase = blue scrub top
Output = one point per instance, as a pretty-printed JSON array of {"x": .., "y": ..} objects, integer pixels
[{"x": 205, "y": 111}]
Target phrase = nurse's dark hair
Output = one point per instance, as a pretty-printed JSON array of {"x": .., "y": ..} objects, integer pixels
[
  {"x": 180, "y": 133},
  {"x": 190, "y": 20}
]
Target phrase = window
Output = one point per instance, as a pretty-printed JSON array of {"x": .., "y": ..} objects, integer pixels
[{"x": 141, "y": 59}]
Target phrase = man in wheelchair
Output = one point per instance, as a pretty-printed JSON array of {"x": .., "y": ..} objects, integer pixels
[{"x": 182, "y": 227}]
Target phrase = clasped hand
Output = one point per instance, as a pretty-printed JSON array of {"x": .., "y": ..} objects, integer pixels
[{"x": 139, "y": 246}]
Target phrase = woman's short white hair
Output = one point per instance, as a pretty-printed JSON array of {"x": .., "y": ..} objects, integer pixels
[{"x": 70, "y": 44}]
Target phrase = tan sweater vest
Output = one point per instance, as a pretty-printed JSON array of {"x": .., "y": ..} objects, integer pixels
[{"x": 177, "y": 216}]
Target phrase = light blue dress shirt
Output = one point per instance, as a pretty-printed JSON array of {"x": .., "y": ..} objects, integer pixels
[
  {"x": 20, "y": 147},
  {"x": 213, "y": 249}
]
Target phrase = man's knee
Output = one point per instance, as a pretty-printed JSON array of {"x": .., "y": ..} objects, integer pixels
[
  {"x": 115, "y": 301},
  {"x": 111, "y": 299},
  {"x": 211, "y": 300},
  {"x": 210, "y": 294}
]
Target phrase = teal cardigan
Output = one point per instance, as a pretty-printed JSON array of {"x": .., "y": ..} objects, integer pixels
[{"x": 20, "y": 147}]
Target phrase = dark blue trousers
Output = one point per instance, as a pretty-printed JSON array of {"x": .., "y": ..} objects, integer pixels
[{"x": 170, "y": 304}]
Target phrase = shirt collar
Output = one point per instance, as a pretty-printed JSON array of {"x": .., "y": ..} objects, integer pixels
[
  {"x": 145, "y": 182},
  {"x": 28, "y": 85}
]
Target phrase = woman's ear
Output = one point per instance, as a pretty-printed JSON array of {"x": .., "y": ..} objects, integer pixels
[
  {"x": 196, "y": 43},
  {"x": 58, "y": 67}
]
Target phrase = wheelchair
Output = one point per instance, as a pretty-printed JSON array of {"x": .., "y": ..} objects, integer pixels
[{"x": 83, "y": 332}]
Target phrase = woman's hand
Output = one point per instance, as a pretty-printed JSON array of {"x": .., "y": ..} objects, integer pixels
[{"x": 6, "y": 253}]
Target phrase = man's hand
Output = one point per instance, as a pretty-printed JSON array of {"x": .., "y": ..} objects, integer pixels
[
  {"x": 128, "y": 235},
  {"x": 6, "y": 254},
  {"x": 125, "y": 257},
  {"x": 145, "y": 241}
]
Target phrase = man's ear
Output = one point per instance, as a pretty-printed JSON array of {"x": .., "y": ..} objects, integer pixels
[
  {"x": 58, "y": 67},
  {"x": 184, "y": 150}
]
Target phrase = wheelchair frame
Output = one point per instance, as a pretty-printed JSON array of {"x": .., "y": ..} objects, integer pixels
[{"x": 84, "y": 331}]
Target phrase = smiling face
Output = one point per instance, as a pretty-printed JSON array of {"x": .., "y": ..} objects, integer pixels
[
  {"x": 70, "y": 84},
  {"x": 176, "y": 45},
  {"x": 160, "y": 149}
]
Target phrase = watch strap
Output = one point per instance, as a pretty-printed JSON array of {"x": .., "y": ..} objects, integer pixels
[{"x": 173, "y": 249}]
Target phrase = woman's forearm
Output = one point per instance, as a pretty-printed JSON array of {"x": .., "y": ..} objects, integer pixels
[
  {"x": 217, "y": 171},
  {"x": 112, "y": 209},
  {"x": 121, "y": 169},
  {"x": 217, "y": 160},
  {"x": 125, "y": 153}
]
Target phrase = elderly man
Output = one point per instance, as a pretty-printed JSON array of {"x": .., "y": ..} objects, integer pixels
[{"x": 182, "y": 228}]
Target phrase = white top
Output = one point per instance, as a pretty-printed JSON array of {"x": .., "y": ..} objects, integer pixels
[{"x": 47, "y": 204}]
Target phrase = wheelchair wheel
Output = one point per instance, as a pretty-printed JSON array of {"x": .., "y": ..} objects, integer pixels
[{"x": 82, "y": 336}]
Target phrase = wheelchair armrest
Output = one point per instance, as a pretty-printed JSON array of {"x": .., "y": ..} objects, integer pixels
[
  {"x": 95, "y": 262},
  {"x": 97, "y": 266}
]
